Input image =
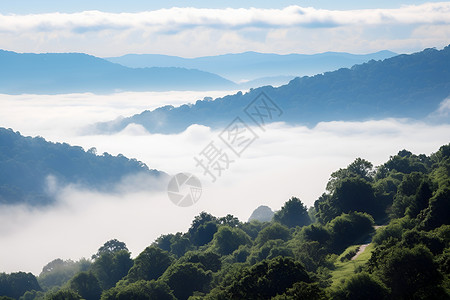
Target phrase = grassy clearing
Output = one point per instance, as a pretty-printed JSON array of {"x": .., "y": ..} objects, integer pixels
[{"x": 347, "y": 268}]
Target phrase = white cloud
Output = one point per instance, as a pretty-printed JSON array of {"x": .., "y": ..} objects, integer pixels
[
  {"x": 176, "y": 18},
  {"x": 195, "y": 31},
  {"x": 284, "y": 161},
  {"x": 74, "y": 111},
  {"x": 444, "y": 108}
]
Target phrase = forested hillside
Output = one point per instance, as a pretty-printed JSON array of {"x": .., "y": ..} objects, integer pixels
[
  {"x": 404, "y": 86},
  {"x": 398, "y": 212},
  {"x": 31, "y": 168}
]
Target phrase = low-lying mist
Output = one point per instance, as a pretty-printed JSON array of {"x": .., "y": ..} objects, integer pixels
[{"x": 284, "y": 161}]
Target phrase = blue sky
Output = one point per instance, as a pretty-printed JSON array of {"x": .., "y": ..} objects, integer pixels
[
  {"x": 32, "y": 6},
  {"x": 200, "y": 28}
]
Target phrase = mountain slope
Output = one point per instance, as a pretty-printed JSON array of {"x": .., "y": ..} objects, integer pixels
[
  {"x": 53, "y": 73},
  {"x": 254, "y": 65},
  {"x": 31, "y": 169},
  {"x": 405, "y": 86}
]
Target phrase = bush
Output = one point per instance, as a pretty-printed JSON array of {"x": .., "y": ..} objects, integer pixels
[
  {"x": 348, "y": 228},
  {"x": 361, "y": 286}
]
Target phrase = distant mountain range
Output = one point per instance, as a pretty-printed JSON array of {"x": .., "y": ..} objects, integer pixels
[
  {"x": 253, "y": 65},
  {"x": 32, "y": 169},
  {"x": 404, "y": 86},
  {"x": 54, "y": 73}
]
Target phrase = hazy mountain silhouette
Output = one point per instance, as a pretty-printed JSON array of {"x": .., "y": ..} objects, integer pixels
[
  {"x": 54, "y": 73},
  {"x": 405, "y": 86},
  {"x": 32, "y": 169},
  {"x": 254, "y": 65},
  {"x": 263, "y": 214}
]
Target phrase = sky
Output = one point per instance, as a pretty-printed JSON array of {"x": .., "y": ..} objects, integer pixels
[
  {"x": 201, "y": 28},
  {"x": 285, "y": 161}
]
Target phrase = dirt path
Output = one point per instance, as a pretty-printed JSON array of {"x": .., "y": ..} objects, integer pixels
[
  {"x": 364, "y": 246},
  {"x": 361, "y": 250}
]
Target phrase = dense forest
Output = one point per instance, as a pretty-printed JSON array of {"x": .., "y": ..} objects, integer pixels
[
  {"x": 376, "y": 233},
  {"x": 29, "y": 165}
]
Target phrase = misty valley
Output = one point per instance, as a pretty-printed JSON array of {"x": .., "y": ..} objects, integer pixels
[{"x": 399, "y": 211}]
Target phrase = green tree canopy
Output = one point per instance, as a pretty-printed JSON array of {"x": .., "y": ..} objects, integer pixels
[
  {"x": 360, "y": 168},
  {"x": 361, "y": 286},
  {"x": 293, "y": 213},
  {"x": 186, "y": 278},
  {"x": 408, "y": 272},
  {"x": 274, "y": 231},
  {"x": 150, "y": 264},
  {"x": 140, "y": 290},
  {"x": 64, "y": 294},
  {"x": 264, "y": 280},
  {"x": 111, "y": 246},
  {"x": 348, "y": 228},
  {"x": 86, "y": 285},
  {"x": 227, "y": 239},
  {"x": 110, "y": 267},
  {"x": 16, "y": 284}
]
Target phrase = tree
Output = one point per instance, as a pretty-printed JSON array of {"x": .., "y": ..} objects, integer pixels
[
  {"x": 438, "y": 211},
  {"x": 360, "y": 168},
  {"x": 185, "y": 278},
  {"x": 355, "y": 194},
  {"x": 204, "y": 233},
  {"x": 201, "y": 219},
  {"x": 348, "y": 228},
  {"x": 421, "y": 199},
  {"x": 208, "y": 260},
  {"x": 264, "y": 280},
  {"x": 269, "y": 249},
  {"x": 229, "y": 220},
  {"x": 406, "y": 162},
  {"x": 140, "y": 290},
  {"x": 86, "y": 285},
  {"x": 325, "y": 210},
  {"x": 311, "y": 254},
  {"x": 275, "y": 231},
  {"x": 58, "y": 272},
  {"x": 32, "y": 295},
  {"x": 303, "y": 290},
  {"x": 150, "y": 264},
  {"x": 392, "y": 231},
  {"x": 361, "y": 286},
  {"x": 227, "y": 239},
  {"x": 408, "y": 272},
  {"x": 253, "y": 227},
  {"x": 293, "y": 214},
  {"x": 111, "y": 246},
  {"x": 315, "y": 232},
  {"x": 180, "y": 244},
  {"x": 16, "y": 284},
  {"x": 110, "y": 267},
  {"x": 63, "y": 294}
]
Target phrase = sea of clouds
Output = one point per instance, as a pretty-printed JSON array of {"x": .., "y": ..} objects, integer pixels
[{"x": 284, "y": 161}]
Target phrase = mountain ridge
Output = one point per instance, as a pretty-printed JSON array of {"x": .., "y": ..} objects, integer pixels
[
  {"x": 30, "y": 167},
  {"x": 405, "y": 86},
  {"x": 53, "y": 73},
  {"x": 252, "y": 65}
]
